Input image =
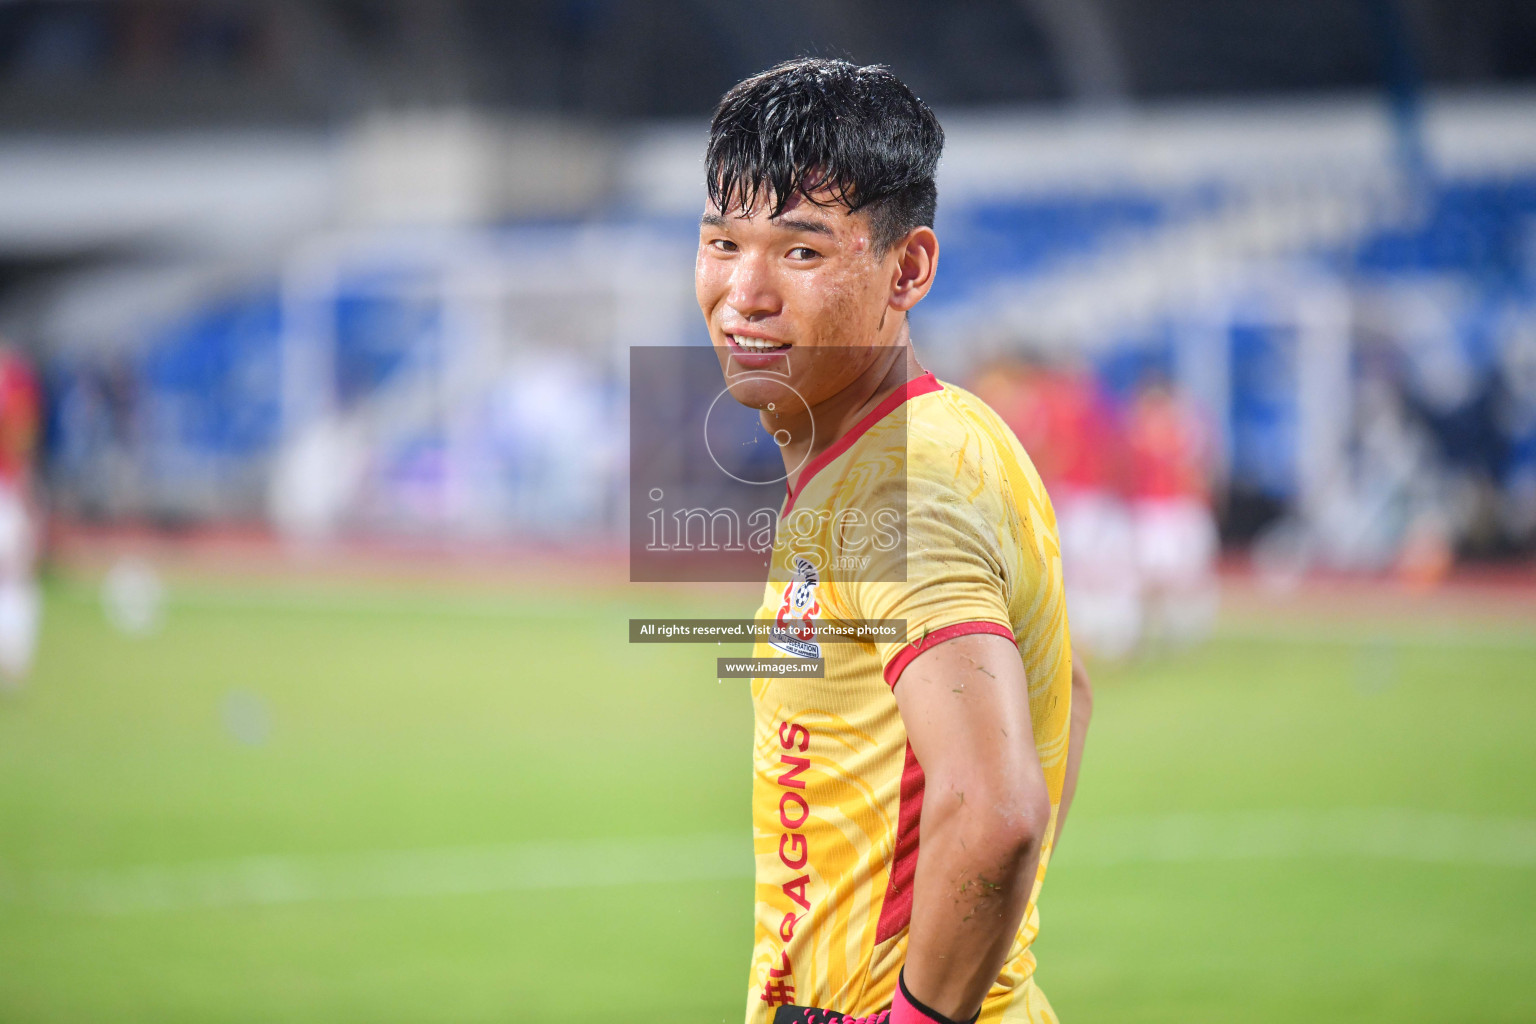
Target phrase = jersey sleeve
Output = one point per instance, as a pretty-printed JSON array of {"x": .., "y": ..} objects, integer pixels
[{"x": 954, "y": 580}]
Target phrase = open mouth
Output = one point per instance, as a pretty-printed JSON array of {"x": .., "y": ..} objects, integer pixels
[{"x": 750, "y": 344}]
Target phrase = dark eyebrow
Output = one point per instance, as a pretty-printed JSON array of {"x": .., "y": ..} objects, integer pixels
[{"x": 815, "y": 227}]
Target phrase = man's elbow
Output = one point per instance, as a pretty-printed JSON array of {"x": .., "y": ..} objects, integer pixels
[
  {"x": 1033, "y": 819},
  {"x": 1019, "y": 821}
]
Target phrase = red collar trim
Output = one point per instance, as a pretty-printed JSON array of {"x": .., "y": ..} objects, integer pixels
[{"x": 926, "y": 384}]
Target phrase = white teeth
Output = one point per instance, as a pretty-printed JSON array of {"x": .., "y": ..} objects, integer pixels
[{"x": 757, "y": 344}]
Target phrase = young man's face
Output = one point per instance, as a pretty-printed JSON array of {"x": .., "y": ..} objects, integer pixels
[{"x": 809, "y": 283}]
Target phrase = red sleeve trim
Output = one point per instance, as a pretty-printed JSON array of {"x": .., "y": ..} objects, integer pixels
[{"x": 904, "y": 657}]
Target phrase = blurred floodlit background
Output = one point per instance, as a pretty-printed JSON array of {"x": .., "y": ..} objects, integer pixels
[{"x": 329, "y": 308}]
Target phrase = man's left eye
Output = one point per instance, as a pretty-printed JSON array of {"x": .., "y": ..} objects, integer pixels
[{"x": 802, "y": 252}]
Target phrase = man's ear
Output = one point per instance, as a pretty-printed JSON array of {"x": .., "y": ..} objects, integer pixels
[{"x": 917, "y": 257}]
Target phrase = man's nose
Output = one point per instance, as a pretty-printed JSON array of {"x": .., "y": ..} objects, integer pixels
[{"x": 752, "y": 293}]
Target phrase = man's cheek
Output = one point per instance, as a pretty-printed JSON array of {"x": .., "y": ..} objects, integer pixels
[
  {"x": 707, "y": 284},
  {"x": 842, "y": 302}
]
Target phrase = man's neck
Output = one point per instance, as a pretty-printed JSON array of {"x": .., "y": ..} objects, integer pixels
[{"x": 837, "y": 415}]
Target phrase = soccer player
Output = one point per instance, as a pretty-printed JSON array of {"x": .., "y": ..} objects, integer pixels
[
  {"x": 1098, "y": 544},
  {"x": 20, "y": 604},
  {"x": 1066, "y": 423},
  {"x": 1176, "y": 538},
  {"x": 906, "y": 804}
]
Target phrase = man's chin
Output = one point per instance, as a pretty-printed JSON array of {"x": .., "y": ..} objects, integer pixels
[{"x": 762, "y": 393}]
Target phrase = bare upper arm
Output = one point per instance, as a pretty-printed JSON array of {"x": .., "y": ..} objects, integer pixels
[{"x": 965, "y": 704}]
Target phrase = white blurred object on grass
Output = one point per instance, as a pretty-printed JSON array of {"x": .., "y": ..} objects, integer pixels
[
  {"x": 133, "y": 597},
  {"x": 20, "y": 612},
  {"x": 20, "y": 602},
  {"x": 247, "y": 718}
]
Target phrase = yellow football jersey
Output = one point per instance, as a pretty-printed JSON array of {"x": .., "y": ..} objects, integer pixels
[{"x": 837, "y": 793}]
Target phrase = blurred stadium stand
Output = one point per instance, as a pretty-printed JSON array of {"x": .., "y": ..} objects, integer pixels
[{"x": 375, "y": 268}]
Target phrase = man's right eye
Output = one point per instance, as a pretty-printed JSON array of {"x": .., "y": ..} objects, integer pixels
[{"x": 723, "y": 244}]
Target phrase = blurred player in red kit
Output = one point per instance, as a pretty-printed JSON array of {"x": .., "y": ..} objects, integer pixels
[
  {"x": 1071, "y": 431},
  {"x": 1097, "y": 542},
  {"x": 20, "y": 414},
  {"x": 1175, "y": 530}
]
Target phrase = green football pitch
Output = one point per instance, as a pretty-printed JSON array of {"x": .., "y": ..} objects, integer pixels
[{"x": 405, "y": 804}]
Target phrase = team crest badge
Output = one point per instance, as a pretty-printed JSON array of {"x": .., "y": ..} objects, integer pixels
[{"x": 794, "y": 627}]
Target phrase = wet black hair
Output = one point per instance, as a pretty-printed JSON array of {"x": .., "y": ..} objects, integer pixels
[{"x": 815, "y": 125}]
